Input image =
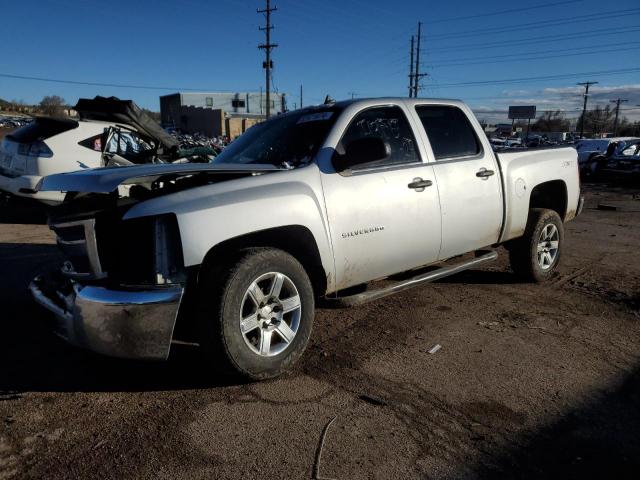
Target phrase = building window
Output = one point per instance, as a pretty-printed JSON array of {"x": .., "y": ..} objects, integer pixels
[
  {"x": 236, "y": 103},
  {"x": 209, "y": 101}
]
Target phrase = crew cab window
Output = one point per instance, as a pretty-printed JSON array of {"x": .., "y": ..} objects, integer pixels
[
  {"x": 450, "y": 133},
  {"x": 389, "y": 124}
]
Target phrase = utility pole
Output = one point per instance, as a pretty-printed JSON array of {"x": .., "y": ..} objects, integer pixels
[
  {"x": 416, "y": 78},
  {"x": 417, "y": 75},
  {"x": 617, "y": 101},
  {"x": 300, "y": 95},
  {"x": 411, "y": 70},
  {"x": 353, "y": 94},
  {"x": 267, "y": 47},
  {"x": 586, "y": 86}
]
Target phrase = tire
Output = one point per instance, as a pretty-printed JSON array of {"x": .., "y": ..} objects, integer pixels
[
  {"x": 543, "y": 227},
  {"x": 595, "y": 167},
  {"x": 276, "y": 328}
]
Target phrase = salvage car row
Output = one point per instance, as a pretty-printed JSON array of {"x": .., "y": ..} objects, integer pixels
[
  {"x": 109, "y": 132},
  {"x": 610, "y": 158}
]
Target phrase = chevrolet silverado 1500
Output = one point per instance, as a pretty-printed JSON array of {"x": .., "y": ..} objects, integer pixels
[{"x": 316, "y": 203}]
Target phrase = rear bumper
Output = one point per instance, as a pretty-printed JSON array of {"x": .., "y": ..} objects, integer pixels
[
  {"x": 25, "y": 186},
  {"x": 135, "y": 324}
]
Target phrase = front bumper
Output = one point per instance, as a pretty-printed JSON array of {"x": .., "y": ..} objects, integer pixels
[{"x": 134, "y": 324}]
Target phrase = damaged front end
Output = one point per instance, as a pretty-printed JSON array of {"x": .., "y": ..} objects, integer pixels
[
  {"x": 120, "y": 289},
  {"x": 114, "y": 296}
]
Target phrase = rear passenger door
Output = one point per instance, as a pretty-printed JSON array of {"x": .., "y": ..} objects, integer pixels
[{"x": 468, "y": 180}]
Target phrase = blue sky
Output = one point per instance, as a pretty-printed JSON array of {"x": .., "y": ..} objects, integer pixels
[{"x": 328, "y": 46}]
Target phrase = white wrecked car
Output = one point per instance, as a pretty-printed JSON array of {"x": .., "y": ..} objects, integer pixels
[{"x": 110, "y": 132}]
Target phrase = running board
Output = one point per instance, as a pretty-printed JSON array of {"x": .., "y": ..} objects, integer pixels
[{"x": 482, "y": 257}]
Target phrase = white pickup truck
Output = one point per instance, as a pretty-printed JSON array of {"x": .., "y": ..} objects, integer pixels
[{"x": 316, "y": 203}]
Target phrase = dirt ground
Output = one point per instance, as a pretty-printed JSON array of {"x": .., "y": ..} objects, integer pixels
[{"x": 532, "y": 381}]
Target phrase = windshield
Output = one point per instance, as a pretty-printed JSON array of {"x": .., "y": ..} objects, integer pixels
[{"x": 292, "y": 138}]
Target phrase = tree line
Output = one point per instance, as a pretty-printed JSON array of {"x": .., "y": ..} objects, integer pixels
[
  {"x": 51, "y": 106},
  {"x": 597, "y": 121}
]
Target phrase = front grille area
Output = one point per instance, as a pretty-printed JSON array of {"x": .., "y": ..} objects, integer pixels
[
  {"x": 77, "y": 240},
  {"x": 136, "y": 252},
  {"x": 141, "y": 251}
]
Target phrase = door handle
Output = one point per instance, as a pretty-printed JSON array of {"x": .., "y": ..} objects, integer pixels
[
  {"x": 419, "y": 184},
  {"x": 484, "y": 173}
]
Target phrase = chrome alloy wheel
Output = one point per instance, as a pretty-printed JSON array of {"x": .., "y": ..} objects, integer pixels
[
  {"x": 548, "y": 244},
  {"x": 270, "y": 314}
]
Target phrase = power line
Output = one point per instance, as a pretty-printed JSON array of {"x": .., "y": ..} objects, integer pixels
[
  {"x": 502, "y": 12},
  {"x": 522, "y": 54},
  {"x": 542, "y": 23},
  {"x": 112, "y": 85},
  {"x": 544, "y": 77},
  {"x": 524, "y": 58},
  {"x": 536, "y": 40}
]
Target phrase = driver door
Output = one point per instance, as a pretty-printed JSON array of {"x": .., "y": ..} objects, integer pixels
[{"x": 384, "y": 215}]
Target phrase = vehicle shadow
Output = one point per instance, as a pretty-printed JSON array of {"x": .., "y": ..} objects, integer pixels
[
  {"x": 23, "y": 213},
  {"x": 483, "y": 277},
  {"x": 598, "y": 439},
  {"x": 34, "y": 359}
]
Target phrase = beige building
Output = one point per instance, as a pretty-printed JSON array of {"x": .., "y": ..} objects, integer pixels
[{"x": 214, "y": 114}]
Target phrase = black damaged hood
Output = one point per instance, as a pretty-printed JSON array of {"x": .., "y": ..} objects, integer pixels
[
  {"x": 112, "y": 109},
  {"x": 106, "y": 180}
]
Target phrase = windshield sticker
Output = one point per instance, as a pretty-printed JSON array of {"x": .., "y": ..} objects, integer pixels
[{"x": 315, "y": 117}]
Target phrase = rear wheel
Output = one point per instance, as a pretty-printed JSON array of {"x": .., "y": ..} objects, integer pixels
[
  {"x": 535, "y": 256},
  {"x": 255, "y": 317}
]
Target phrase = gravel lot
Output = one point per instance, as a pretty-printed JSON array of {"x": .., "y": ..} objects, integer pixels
[{"x": 531, "y": 381}]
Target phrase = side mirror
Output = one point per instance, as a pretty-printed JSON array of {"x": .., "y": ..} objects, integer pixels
[{"x": 361, "y": 151}]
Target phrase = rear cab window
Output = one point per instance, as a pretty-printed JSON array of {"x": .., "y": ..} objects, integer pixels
[{"x": 449, "y": 131}]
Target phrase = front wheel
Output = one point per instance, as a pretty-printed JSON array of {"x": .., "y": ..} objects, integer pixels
[
  {"x": 255, "y": 316},
  {"x": 535, "y": 256}
]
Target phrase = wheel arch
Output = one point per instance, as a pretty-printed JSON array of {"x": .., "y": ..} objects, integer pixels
[
  {"x": 551, "y": 195},
  {"x": 296, "y": 240}
]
